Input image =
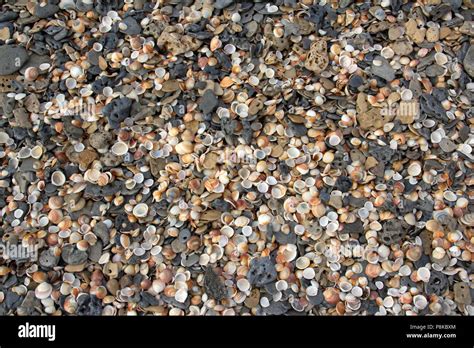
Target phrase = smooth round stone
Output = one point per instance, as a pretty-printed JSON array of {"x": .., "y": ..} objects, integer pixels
[{"x": 12, "y": 58}]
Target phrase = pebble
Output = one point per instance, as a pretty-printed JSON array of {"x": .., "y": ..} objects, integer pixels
[{"x": 12, "y": 59}]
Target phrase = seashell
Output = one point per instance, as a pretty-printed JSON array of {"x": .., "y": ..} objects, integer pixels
[
  {"x": 43, "y": 291},
  {"x": 140, "y": 210},
  {"x": 440, "y": 58},
  {"x": 438, "y": 253},
  {"x": 243, "y": 284},
  {"x": 334, "y": 140},
  {"x": 58, "y": 178},
  {"x": 290, "y": 251},
  {"x": 420, "y": 302},
  {"x": 293, "y": 152},
  {"x": 345, "y": 286},
  {"x": 36, "y": 152},
  {"x": 242, "y": 110},
  {"x": 309, "y": 273},
  {"x": 31, "y": 73},
  {"x": 450, "y": 196},
  {"x": 241, "y": 221},
  {"x": 278, "y": 191},
  {"x": 302, "y": 262},
  {"x": 281, "y": 285},
  {"x": 264, "y": 219},
  {"x": 468, "y": 219},
  {"x": 184, "y": 148},
  {"x": 414, "y": 169},
  {"x": 92, "y": 175},
  {"x": 181, "y": 295},
  {"x": 357, "y": 291},
  {"x": 119, "y": 148},
  {"x": 423, "y": 274}
]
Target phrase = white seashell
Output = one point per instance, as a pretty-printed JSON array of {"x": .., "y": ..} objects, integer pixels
[
  {"x": 404, "y": 270},
  {"x": 357, "y": 291},
  {"x": 264, "y": 219},
  {"x": 468, "y": 219},
  {"x": 247, "y": 231},
  {"x": 181, "y": 295},
  {"x": 242, "y": 110},
  {"x": 345, "y": 286},
  {"x": 450, "y": 196},
  {"x": 4, "y": 137},
  {"x": 119, "y": 148},
  {"x": 438, "y": 253},
  {"x": 334, "y": 140},
  {"x": 36, "y": 152},
  {"x": 281, "y": 285},
  {"x": 311, "y": 290},
  {"x": 241, "y": 221},
  {"x": 388, "y": 302},
  {"x": 309, "y": 273},
  {"x": 420, "y": 302},
  {"x": 58, "y": 178},
  {"x": 436, "y": 137},
  {"x": 293, "y": 152},
  {"x": 290, "y": 252},
  {"x": 414, "y": 169},
  {"x": 140, "y": 210},
  {"x": 43, "y": 291},
  {"x": 387, "y": 52},
  {"x": 423, "y": 274},
  {"x": 302, "y": 262},
  {"x": 243, "y": 284}
]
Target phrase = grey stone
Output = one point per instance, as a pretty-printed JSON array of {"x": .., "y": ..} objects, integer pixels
[
  {"x": 262, "y": 271},
  {"x": 469, "y": 61},
  {"x": 133, "y": 28},
  {"x": 384, "y": 71},
  {"x": 220, "y": 4},
  {"x": 208, "y": 102},
  {"x": 95, "y": 251},
  {"x": 47, "y": 259},
  {"x": 73, "y": 256},
  {"x": 45, "y": 11},
  {"x": 12, "y": 58},
  {"x": 102, "y": 231},
  {"x": 213, "y": 285}
]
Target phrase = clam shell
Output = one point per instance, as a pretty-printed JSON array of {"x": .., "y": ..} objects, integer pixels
[
  {"x": 43, "y": 290},
  {"x": 243, "y": 284},
  {"x": 58, "y": 178},
  {"x": 420, "y": 302},
  {"x": 140, "y": 210},
  {"x": 468, "y": 219},
  {"x": 423, "y": 274},
  {"x": 119, "y": 148},
  {"x": 302, "y": 262}
]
